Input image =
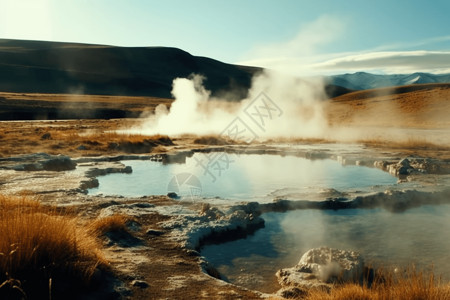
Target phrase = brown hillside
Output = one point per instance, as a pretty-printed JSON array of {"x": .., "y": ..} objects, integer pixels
[{"x": 412, "y": 106}]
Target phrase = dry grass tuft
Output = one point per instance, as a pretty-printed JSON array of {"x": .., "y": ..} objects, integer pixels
[
  {"x": 109, "y": 224},
  {"x": 43, "y": 253},
  {"x": 212, "y": 140},
  {"x": 411, "y": 285}
]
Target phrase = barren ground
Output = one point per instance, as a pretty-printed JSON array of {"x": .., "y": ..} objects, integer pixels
[{"x": 171, "y": 271}]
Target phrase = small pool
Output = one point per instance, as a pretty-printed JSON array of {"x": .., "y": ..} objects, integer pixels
[
  {"x": 417, "y": 236},
  {"x": 240, "y": 177}
]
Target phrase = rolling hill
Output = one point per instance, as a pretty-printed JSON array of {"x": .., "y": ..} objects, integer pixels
[{"x": 70, "y": 68}]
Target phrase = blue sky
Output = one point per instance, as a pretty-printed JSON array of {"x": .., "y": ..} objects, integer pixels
[{"x": 300, "y": 37}]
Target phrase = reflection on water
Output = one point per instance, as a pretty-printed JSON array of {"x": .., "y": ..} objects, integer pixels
[
  {"x": 419, "y": 236},
  {"x": 244, "y": 177}
]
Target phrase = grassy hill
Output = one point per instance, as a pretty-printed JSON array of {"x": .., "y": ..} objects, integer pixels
[
  {"x": 69, "y": 68},
  {"x": 53, "y": 80}
]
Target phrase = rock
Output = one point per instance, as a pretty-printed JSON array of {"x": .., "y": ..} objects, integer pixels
[
  {"x": 292, "y": 293},
  {"x": 95, "y": 172},
  {"x": 320, "y": 267},
  {"x": 89, "y": 184},
  {"x": 58, "y": 163},
  {"x": 133, "y": 225},
  {"x": 46, "y": 136},
  {"x": 211, "y": 213},
  {"x": 140, "y": 283},
  {"x": 404, "y": 163},
  {"x": 122, "y": 238},
  {"x": 173, "y": 195},
  {"x": 193, "y": 230},
  {"x": 41, "y": 162},
  {"x": 82, "y": 147},
  {"x": 154, "y": 232},
  {"x": 403, "y": 167},
  {"x": 142, "y": 205},
  {"x": 381, "y": 164}
]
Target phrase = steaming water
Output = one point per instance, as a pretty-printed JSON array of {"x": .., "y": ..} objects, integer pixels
[
  {"x": 245, "y": 177},
  {"x": 418, "y": 236}
]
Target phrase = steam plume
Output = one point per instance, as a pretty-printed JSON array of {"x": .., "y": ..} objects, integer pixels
[{"x": 194, "y": 111}]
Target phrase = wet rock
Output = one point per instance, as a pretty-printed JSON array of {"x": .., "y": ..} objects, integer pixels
[
  {"x": 95, "y": 172},
  {"x": 320, "y": 267},
  {"x": 404, "y": 163},
  {"x": 89, "y": 184},
  {"x": 251, "y": 208}
]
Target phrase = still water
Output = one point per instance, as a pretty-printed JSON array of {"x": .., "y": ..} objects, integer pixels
[
  {"x": 239, "y": 177},
  {"x": 417, "y": 236}
]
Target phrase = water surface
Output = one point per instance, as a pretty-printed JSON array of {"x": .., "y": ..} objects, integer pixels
[
  {"x": 417, "y": 236},
  {"x": 243, "y": 177}
]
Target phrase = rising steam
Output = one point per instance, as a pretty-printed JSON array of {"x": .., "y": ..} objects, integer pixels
[{"x": 194, "y": 111}]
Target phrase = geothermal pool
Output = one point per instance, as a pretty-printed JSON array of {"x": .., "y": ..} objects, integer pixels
[
  {"x": 247, "y": 177},
  {"x": 417, "y": 236}
]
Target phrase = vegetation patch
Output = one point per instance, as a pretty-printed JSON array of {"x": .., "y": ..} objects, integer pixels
[
  {"x": 45, "y": 254},
  {"x": 407, "y": 285}
]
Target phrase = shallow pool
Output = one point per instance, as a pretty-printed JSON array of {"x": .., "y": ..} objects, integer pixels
[
  {"x": 417, "y": 236},
  {"x": 240, "y": 177}
]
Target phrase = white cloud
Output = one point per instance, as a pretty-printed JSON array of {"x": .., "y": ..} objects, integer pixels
[
  {"x": 301, "y": 55},
  {"x": 390, "y": 62}
]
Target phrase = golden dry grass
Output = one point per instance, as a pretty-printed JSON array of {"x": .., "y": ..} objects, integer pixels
[
  {"x": 388, "y": 286},
  {"x": 410, "y": 143},
  {"x": 95, "y": 101},
  {"x": 97, "y": 137},
  {"x": 415, "y": 106},
  {"x": 107, "y": 224},
  {"x": 212, "y": 140},
  {"x": 43, "y": 252}
]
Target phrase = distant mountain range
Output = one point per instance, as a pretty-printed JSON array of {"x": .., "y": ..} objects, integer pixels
[
  {"x": 364, "y": 81},
  {"x": 53, "y": 67}
]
